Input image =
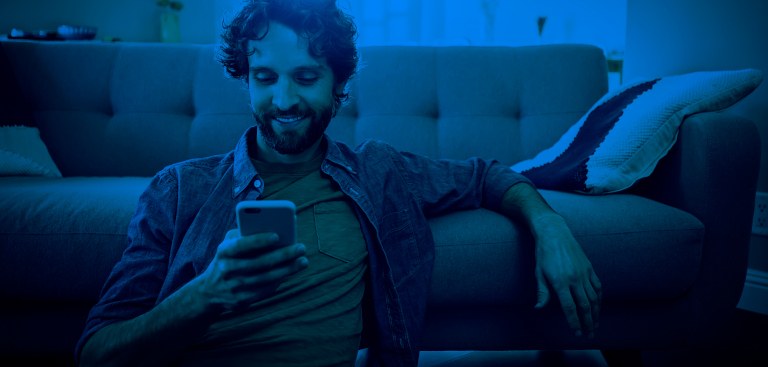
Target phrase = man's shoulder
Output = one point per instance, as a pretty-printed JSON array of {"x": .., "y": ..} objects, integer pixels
[
  {"x": 368, "y": 147},
  {"x": 211, "y": 165}
]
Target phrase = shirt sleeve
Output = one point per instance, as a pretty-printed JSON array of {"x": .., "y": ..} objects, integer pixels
[
  {"x": 133, "y": 286},
  {"x": 446, "y": 185}
]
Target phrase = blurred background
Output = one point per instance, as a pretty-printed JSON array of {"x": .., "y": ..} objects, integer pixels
[
  {"x": 380, "y": 22},
  {"x": 419, "y": 22}
]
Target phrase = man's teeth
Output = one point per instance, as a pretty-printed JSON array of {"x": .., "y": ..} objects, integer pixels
[{"x": 288, "y": 119}]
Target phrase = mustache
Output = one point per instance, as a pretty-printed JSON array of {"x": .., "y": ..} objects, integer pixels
[{"x": 274, "y": 112}]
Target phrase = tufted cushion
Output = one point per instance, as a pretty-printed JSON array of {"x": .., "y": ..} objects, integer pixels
[
  {"x": 95, "y": 101},
  {"x": 461, "y": 103}
]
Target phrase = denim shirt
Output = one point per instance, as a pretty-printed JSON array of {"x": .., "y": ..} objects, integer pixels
[{"x": 188, "y": 207}]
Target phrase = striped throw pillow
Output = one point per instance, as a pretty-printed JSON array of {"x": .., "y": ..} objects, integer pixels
[{"x": 625, "y": 134}]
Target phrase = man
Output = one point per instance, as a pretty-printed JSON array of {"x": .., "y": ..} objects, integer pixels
[{"x": 180, "y": 295}]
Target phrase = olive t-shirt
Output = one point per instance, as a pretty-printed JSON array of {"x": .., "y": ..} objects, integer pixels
[{"x": 315, "y": 317}]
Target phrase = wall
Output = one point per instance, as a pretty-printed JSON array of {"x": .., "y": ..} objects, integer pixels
[
  {"x": 668, "y": 37},
  {"x": 425, "y": 22},
  {"x": 380, "y": 22},
  {"x": 484, "y": 22}
]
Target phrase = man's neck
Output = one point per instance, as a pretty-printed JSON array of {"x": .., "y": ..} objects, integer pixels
[{"x": 266, "y": 154}]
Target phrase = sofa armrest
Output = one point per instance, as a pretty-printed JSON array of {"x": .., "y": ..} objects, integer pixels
[{"x": 711, "y": 173}]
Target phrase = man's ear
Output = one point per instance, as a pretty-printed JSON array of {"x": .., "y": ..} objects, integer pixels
[{"x": 339, "y": 88}]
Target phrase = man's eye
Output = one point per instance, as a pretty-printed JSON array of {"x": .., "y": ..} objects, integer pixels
[
  {"x": 306, "y": 78},
  {"x": 265, "y": 78}
]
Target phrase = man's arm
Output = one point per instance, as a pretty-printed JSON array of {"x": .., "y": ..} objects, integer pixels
[
  {"x": 244, "y": 270},
  {"x": 561, "y": 264},
  {"x": 153, "y": 338}
]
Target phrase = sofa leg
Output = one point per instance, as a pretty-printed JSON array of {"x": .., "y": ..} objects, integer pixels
[{"x": 623, "y": 357}]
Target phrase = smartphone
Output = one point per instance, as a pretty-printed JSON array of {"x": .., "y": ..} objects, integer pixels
[{"x": 260, "y": 216}]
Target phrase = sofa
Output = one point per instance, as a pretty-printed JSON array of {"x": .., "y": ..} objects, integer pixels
[{"x": 671, "y": 251}]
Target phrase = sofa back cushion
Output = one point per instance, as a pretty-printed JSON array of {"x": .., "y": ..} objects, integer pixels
[
  {"x": 128, "y": 109},
  {"x": 458, "y": 102}
]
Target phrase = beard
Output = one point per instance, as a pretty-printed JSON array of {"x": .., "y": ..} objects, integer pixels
[{"x": 294, "y": 141}]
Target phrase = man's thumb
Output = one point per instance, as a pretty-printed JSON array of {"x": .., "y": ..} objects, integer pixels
[{"x": 232, "y": 233}]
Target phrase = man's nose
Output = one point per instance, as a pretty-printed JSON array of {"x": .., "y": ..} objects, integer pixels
[{"x": 284, "y": 95}]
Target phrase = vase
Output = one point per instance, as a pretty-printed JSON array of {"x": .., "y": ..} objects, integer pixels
[{"x": 169, "y": 26}]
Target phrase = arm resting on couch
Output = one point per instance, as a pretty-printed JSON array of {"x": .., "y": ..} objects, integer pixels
[{"x": 560, "y": 262}]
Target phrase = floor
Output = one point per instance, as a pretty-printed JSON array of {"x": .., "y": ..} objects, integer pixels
[
  {"x": 746, "y": 346},
  {"x": 571, "y": 358}
]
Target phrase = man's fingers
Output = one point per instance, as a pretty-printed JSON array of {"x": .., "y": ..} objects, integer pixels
[
  {"x": 542, "y": 295},
  {"x": 248, "y": 246},
  {"x": 595, "y": 299},
  {"x": 584, "y": 305},
  {"x": 596, "y": 285},
  {"x": 271, "y": 277},
  {"x": 247, "y": 290},
  {"x": 571, "y": 311},
  {"x": 266, "y": 261},
  {"x": 581, "y": 310}
]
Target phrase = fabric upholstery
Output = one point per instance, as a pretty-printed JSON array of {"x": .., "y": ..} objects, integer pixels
[
  {"x": 448, "y": 115},
  {"x": 181, "y": 94},
  {"x": 610, "y": 228},
  {"x": 624, "y": 236},
  {"x": 71, "y": 230}
]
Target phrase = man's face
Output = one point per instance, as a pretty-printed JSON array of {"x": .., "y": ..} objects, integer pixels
[{"x": 291, "y": 92}]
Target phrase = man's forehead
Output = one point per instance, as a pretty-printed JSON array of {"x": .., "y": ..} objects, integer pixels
[{"x": 282, "y": 45}]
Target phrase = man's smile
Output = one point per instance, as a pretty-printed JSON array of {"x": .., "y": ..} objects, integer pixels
[
  {"x": 287, "y": 119},
  {"x": 290, "y": 121}
]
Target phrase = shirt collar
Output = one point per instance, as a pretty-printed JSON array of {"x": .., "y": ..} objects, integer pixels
[
  {"x": 335, "y": 155},
  {"x": 245, "y": 172}
]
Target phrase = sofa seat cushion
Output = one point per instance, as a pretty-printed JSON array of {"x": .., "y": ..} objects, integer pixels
[
  {"x": 62, "y": 236},
  {"x": 640, "y": 249},
  {"x": 79, "y": 252}
]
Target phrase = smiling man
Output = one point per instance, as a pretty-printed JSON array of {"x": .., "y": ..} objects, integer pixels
[
  {"x": 291, "y": 95},
  {"x": 190, "y": 290}
]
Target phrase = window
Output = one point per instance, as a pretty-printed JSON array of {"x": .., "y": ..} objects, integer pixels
[{"x": 489, "y": 22}]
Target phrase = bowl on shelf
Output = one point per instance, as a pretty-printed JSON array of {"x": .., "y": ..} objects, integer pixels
[
  {"x": 40, "y": 35},
  {"x": 76, "y": 32},
  {"x": 63, "y": 33}
]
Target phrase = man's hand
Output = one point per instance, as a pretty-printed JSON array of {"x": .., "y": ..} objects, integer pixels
[
  {"x": 248, "y": 269},
  {"x": 244, "y": 270},
  {"x": 562, "y": 266}
]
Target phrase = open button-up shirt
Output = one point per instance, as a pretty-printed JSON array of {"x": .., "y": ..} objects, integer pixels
[{"x": 188, "y": 207}]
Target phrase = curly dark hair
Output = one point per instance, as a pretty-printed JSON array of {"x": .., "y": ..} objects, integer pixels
[{"x": 331, "y": 34}]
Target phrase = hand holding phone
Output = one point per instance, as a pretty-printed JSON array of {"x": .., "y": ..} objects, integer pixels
[{"x": 249, "y": 254}]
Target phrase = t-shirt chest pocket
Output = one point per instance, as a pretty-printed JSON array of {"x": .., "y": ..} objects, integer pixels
[{"x": 338, "y": 231}]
